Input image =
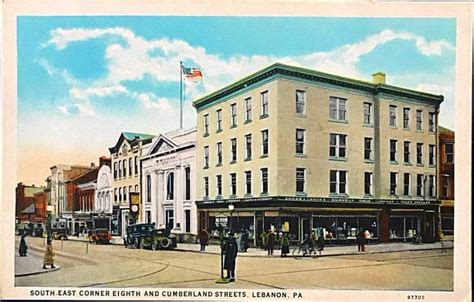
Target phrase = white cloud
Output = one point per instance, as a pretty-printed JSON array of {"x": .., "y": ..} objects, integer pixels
[
  {"x": 85, "y": 94},
  {"x": 77, "y": 109}
]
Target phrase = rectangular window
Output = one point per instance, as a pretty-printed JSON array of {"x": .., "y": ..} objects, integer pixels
[
  {"x": 120, "y": 168},
  {"x": 264, "y": 142},
  {"x": 431, "y": 155},
  {"x": 406, "y": 152},
  {"x": 368, "y": 183},
  {"x": 206, "y": 156},
  {"x": 219, "y": 153},
  {"x": 206, "y": 124},
  {"x": 219, "y": 119},
  {"x": 449, "y": 152},
  {"x": 393, "y": 150},
  {"x": 300, "y": 101},
  {"x": 169, "y": 216},
  {"x": 431, "y": 122},
  {"x": 125, "y": 193},
  {"x": 120, "y": 194},
  {"x": 300, "y": 180},
  {"x": 393, "y": 183},
  {"x": 406, "y": 184},
  {"x": 136, "y": 165},
  {"x": 248, "y": 182},
  {"x": 248, "y": 109},
  {"x": 338, "y": 182},
  {"x": 419, "y": 185},
  {"x": 233, "y": 115},
  {"x": 187, "y": 194},
  {"x": 233, "y": 149},
  {"x": 337, "y": 145},
  {"x": 337, "y": 108},
  {"x": 130, "y": 167},
  {"x": 431, "y": 186},
  {"x": 300, "y": 138},
  {"x": 419, "y": 120},
  {"x": 187, "y": 219},
  {"x": 445, "y": 185},
  {"x": 367, "y": 113},
  {"x": 406, "y": 118},
  {"x": 219, "y": 185},
  {"x": 206, "y": 187},
  {"x": 115, "y": 170},
  {"x": 393, "y": 116},
  {"x": 124, "y": 163},
  {"x": 115, "y": 194},
  {"x": 264, "y": 180},
  {"x": 233, "y": 184},
  {"x": 264, "y": 101},
  {"x": 368, "y": 148},
  {"x": 419, "y": 153},
  {"x": 248, "y": 147},
  {"x": 148, "y": 188}
]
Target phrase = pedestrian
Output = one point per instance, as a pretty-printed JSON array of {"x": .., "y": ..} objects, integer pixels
[
  {"x": 230, "y": 255},
  {"x": 203, "y": 239},
  {"x": 366, "y": 240},
  {"x": 263, "y": 237},
  {"x": 360, "y": 241},
  {"x": 23, "y": 247},
  {"x": 321, "y": 243},
  {"x": 270, "y": 242},
  {"x": 285, "y": 245},
  {"x": 307, "y": 244},
  {"x": 244, "y": 241},
  {"x": 48, "y": 256}
]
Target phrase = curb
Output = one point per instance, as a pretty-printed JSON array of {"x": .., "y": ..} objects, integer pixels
[{"x": 44, "y": 271}]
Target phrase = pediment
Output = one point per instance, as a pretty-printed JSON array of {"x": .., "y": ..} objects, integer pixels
[{"x": 161, "y": 145}]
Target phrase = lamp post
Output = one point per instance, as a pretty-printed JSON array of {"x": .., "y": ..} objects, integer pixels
[{"x": 49, "y": 210}]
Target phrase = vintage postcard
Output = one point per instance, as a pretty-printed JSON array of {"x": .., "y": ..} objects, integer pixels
[{"x": 198, "y": 150}]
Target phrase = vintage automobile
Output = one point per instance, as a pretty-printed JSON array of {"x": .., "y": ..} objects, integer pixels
[
  {"x": 31, "y": 229},
  {"x": 59, "y": 234},
  {"x": 100, "y": 236},
  {"x": 145, "y": 235}
]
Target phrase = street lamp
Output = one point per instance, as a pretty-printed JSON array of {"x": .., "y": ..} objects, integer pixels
[{"x": 231, "y": 209}]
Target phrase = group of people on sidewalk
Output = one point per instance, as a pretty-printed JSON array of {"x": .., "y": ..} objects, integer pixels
[
  {"x": 48, "y": 256},
  {"x": 269, "y": 238}
]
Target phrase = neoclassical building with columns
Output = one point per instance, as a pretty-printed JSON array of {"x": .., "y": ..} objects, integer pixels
[{"x": 168, "y": 187}]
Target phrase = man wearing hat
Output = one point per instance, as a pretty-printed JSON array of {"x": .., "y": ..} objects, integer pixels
[{"x": 230, "y": 254}]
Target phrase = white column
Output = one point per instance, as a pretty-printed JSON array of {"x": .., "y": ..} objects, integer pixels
[
  {"x": 161, "y": 195},
  {"x": 154, "y": 196},
  {"x": 178, "y": 198}
]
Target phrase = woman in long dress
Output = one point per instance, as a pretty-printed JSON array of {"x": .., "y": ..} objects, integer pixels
[{"x": 48, "y": 257}]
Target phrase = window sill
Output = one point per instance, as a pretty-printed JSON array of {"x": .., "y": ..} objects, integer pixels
[
  {"x": 264, "y": 156},
  {"x": 393, "y": 196},
  {"x": 263, "y": 194},
  {"x": 247, "y": 122},
  {"x": 233, "y": 162},
  {"x": 368, "y": 161},
  {"x": 263, "y": 116},
  {"x": 393, "y": 162},
  {"x": 218, "y": 165},
  {"x": 369, "y": 196},
  {"x": 219, "y": 131},
  {"x": 338, "y": 195},
  {"x": 419, "y": 131},
  {"x": 248, "y": 159},
  {"x": 205, "y": 135},
  {"x": 344, "y": 159},
  {"x": 407, "y": 196},
  {"x": 406, "y": 129},
  {"x": 368, "y": 125},
  {"x": 300, "y": 114},
  {"x": 393, "y": 127},
  {"x": 206, "y": 167},
  {"x": 408, "y": 164},
  {"x": 339, "y": 121},
  {"x": 300, "y": 155},
  {"x": 301, "y": 194},
  {"x": 219, "y": 197},
  {"x": 431, "y": 132},
  {"x": 432, "y": 166},
  {"x": 248, "y": 195},
  {"x": 233, "y": 126},
  {"x": 205, "y": 198},
  {"x": 420, "y": 165}
]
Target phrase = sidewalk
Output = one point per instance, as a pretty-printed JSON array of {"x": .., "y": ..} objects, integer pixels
[
  {"x": 31, "y": 265},
  {"x": 328, "y": 250}
]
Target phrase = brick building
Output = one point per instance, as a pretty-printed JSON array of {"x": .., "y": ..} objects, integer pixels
[
  {"x": 446, "y": 179},
  {"x": 25, "y": 201}
]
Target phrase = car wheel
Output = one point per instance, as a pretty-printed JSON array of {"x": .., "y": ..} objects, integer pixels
[
  {"x": 154, "y": 245},
  {"x": 165, "y": 242},
  {"x": 142, "y": 244}
]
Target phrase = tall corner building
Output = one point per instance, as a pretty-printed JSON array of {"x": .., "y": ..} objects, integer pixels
[{"x": 303, "y": 151}]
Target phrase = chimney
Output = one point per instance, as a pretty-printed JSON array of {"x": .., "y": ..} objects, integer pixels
[{"x": 378, "y": 78}]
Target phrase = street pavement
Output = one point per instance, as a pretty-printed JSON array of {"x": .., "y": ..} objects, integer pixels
[{"x": 395, "y": 266}]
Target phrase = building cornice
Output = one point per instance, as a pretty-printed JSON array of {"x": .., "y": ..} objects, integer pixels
[{"x": 277, "y": 70}]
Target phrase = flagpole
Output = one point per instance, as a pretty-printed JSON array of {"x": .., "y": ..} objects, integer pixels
[{"x": 180, "y": 95}]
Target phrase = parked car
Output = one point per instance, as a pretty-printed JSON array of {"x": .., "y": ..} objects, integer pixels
[
  {"x": 100, "y": 236},
  {"x": 59, "y": 234},
  {"x": 145, "y": 235}
]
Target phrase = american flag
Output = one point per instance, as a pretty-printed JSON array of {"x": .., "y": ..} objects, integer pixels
[{"x": 192, "y": 74}]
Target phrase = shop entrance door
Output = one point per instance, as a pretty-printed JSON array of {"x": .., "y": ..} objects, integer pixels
[
  {"x": 430, "y": 227},
  {"x": 304, "y": 228}
]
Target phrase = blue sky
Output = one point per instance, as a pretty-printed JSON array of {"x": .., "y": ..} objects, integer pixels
[{"x": 95, "y": 77}]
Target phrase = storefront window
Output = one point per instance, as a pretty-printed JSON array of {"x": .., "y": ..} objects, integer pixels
[
  {"x": 344, "y": 227},
  {"x": 403, "y": 227}
]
